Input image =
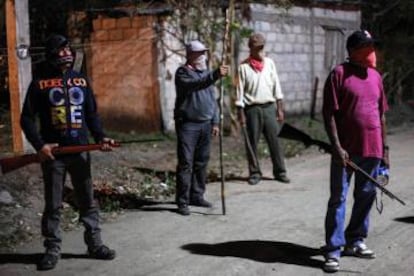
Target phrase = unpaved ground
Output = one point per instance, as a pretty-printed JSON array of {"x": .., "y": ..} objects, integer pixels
[
  {"x": 127, "y": 177},
  {"x": 269, "y": 229}
]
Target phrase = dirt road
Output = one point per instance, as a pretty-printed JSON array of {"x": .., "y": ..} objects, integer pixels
[{"x": 269, "y": 229}]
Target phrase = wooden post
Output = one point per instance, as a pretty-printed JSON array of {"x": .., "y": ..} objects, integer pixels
[{"x": 20, "y": 68}]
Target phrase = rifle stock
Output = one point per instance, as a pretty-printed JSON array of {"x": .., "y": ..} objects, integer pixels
[
  {"x": 9, "y": 164},
  {"x": 13, "y": 163},
  {"x": 292, "y": 133}
]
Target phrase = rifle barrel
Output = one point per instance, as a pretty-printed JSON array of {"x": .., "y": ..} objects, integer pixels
[
  {"x": 373, "y": 180},
  {"x": 13, "y": 163}
]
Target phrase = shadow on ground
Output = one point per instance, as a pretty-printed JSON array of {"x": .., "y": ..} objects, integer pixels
[
  {"x": 405, "y": 219},
  {"x": 34, "y": 258},
  {"x": 260, "y": 251}
]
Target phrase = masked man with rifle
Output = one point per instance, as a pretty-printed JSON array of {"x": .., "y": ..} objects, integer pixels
[
  {"x": 63, "y": 102},
  {"x": 353, "y": 109}
]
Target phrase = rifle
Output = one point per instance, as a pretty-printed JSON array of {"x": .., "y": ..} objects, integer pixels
[
  {"x": 13, "y": 163},
  {"x": 292, "y": 133}
]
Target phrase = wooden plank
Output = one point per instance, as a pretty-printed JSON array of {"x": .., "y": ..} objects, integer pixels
[
  {"x": 19, "y": 70},
  {"x": 13, "y": 76}
]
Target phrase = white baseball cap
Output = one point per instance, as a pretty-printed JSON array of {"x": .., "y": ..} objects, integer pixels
[{"x": 195, "y": 46}]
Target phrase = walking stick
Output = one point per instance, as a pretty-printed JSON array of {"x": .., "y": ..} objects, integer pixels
[
  {"x": 249, "y": 146},
  {"x": 223, "y": 61}
]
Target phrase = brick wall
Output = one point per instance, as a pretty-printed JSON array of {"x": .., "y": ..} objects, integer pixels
[{"x": 122, "y": 66}]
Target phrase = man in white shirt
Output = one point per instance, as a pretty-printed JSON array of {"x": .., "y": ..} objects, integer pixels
[{"x": 260, "y": 108}]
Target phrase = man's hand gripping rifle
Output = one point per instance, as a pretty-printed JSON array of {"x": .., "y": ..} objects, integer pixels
[{"x": 292, "y": 133}]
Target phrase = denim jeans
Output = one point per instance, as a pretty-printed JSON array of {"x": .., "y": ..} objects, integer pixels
[
  {"x": 54, "y": 174},
  {"x": 364, "y": 196}
]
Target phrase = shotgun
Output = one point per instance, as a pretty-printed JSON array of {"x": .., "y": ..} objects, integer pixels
[
  {"x": 292, "y": 133},
  {"x": 9, "y": 164}
]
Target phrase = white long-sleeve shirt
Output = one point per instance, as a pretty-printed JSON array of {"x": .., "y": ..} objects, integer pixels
[{"x": 255, "y": 87}]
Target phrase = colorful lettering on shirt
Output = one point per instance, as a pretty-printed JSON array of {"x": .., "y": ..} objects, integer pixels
[
  {"x": 50, "y": 83},
  {"x": 58, "y": 100}
]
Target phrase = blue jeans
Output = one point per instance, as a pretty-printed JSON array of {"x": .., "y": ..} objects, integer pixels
[
  {"x": 193, "y": 152},
  {"x": 364, "y": 196}
]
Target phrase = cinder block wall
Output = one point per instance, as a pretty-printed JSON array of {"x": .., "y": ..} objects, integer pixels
[
  {"x": 122, "y": 66},
  {"x": 297, "y": 41}
]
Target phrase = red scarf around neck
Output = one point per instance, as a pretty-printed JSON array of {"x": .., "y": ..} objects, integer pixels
[{"x": 256, "y": 64}]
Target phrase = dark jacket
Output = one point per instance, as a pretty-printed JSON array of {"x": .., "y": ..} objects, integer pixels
[
  {"x": 195, "y": 99},
  {"x": 66, "y": 109}
]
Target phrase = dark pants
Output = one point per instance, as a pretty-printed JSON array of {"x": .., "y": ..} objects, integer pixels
[
  {"x": 262, "y": 119},
  {"x": 193, "y": 152},
  {"x": 54, "y": 174}
]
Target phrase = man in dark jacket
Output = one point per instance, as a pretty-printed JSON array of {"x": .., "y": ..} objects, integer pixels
[
  {"x": 196, "y": 119},
  {"x": 63, "y": 102}
]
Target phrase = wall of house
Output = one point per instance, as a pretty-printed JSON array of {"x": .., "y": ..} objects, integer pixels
[
  {"x": 171, "y": 55},
  {"x": 121, "y": 62},
  {"x": 305, "y": 44}
]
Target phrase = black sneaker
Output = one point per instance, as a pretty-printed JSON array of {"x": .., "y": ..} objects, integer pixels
[
  {"x": 102, "y": 252},
  {"x": 48, "y": 261},
  {"x": 254, "y": 179},
  {"x": 201, "y": 203},
  {"x": 183, "y": 210},
  {"x": 282, "y": 178}
]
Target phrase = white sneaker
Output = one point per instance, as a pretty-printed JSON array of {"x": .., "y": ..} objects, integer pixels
[
  {"x": 361, "y": 251},
  {"x": 331, "y": 265}
]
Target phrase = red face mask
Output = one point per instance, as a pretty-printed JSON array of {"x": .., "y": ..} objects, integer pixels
[{"x": 365, "y": 56}]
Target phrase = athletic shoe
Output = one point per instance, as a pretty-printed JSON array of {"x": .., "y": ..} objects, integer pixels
[
  {"x": 359, "y": 250},
  {"x": 331, "y": 265}
]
